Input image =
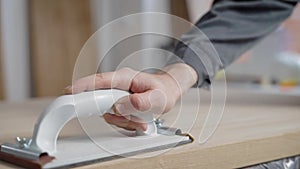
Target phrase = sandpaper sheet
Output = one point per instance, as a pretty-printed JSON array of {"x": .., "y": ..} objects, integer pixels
[
  {"x": 104, "y": 142},
  {"x": 101, "y": 142},
  {"x": 84, "y": 150}
]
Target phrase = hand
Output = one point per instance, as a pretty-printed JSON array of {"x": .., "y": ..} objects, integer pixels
[{"x": 152, "y": 93}]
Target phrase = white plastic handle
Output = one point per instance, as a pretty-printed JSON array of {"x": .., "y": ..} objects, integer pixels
[{"x": 67, "y": 107}]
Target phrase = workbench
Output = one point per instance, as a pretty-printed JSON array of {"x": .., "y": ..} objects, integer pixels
[{"x": 255, "y": 128}]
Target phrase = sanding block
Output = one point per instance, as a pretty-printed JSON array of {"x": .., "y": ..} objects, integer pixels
[{"x": 45, "y": 150}]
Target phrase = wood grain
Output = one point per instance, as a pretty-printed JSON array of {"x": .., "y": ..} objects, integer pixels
[
  {"x": 59, "y": 29},
  {"x": 255, "y": 128}
]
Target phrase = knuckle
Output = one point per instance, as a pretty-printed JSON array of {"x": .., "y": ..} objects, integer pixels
[
  {"x": 126, "y": 70},
  {"x": 100, "y": 76},
  {"x": 136, "y": 81},
  {"x": 137, "y": 102},
  {"x": 142, "y": 82}
]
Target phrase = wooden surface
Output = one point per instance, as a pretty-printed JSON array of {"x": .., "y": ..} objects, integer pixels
[
  {"x": 58, "y": 30},
  {"x": 255, "y": 128}
]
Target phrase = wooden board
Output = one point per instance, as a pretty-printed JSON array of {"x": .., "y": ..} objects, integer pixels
[
  {"x": 255, "y": 128},
  {"x": 58, "y": 30}
]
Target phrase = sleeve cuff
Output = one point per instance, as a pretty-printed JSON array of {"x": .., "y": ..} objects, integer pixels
[{"x": 189, "y": 57}]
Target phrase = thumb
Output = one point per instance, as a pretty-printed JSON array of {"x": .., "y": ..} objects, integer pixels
[
  {"x": 131, "y": 104},
  {"x": 151, "y": 101}
]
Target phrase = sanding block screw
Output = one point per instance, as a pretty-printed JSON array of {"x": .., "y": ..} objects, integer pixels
[
  {"x": 159, "y": 122},
  {"x": 23, "y": 142}
]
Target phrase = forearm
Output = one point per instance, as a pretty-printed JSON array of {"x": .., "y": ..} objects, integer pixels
[{"x": 232, "y": 27}]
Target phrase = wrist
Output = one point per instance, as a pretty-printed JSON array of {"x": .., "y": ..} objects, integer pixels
[{"x": 183, "y": 75}]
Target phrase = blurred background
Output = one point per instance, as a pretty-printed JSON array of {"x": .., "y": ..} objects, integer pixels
[{"x": 41, "y": 39}]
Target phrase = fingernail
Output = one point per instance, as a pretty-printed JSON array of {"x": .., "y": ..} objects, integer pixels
[
  {"x": 68, "y": 87},
  {"x": 67, "y": 90},
  {"x": 143, "y": 127}
]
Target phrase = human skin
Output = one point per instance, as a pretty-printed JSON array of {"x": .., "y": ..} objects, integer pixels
[{"x": 152, "y": 93}]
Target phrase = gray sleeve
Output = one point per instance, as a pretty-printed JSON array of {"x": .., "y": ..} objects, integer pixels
[{"x": 233, "y": 27}]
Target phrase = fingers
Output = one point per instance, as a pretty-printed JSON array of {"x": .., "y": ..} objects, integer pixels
[
  {"x": 130, "y": 123},
  {"x": 83, "y": 84},
  {"x": 135, "y": 110},
  {"x": 120, "y": 79},
  {"x": 151, "y": 101},
  {"x": 149, "y": 96},
  {"x": 132, "y": 104}
]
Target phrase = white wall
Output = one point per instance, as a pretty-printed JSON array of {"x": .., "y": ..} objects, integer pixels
[
  {"x": 105, "y": 11},
  {"x": 14, "y": 27}
]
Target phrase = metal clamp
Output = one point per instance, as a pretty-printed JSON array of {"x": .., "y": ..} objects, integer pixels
[
  {"x": 21, "y": 149},
  {"x": 164, "y": 130}
]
